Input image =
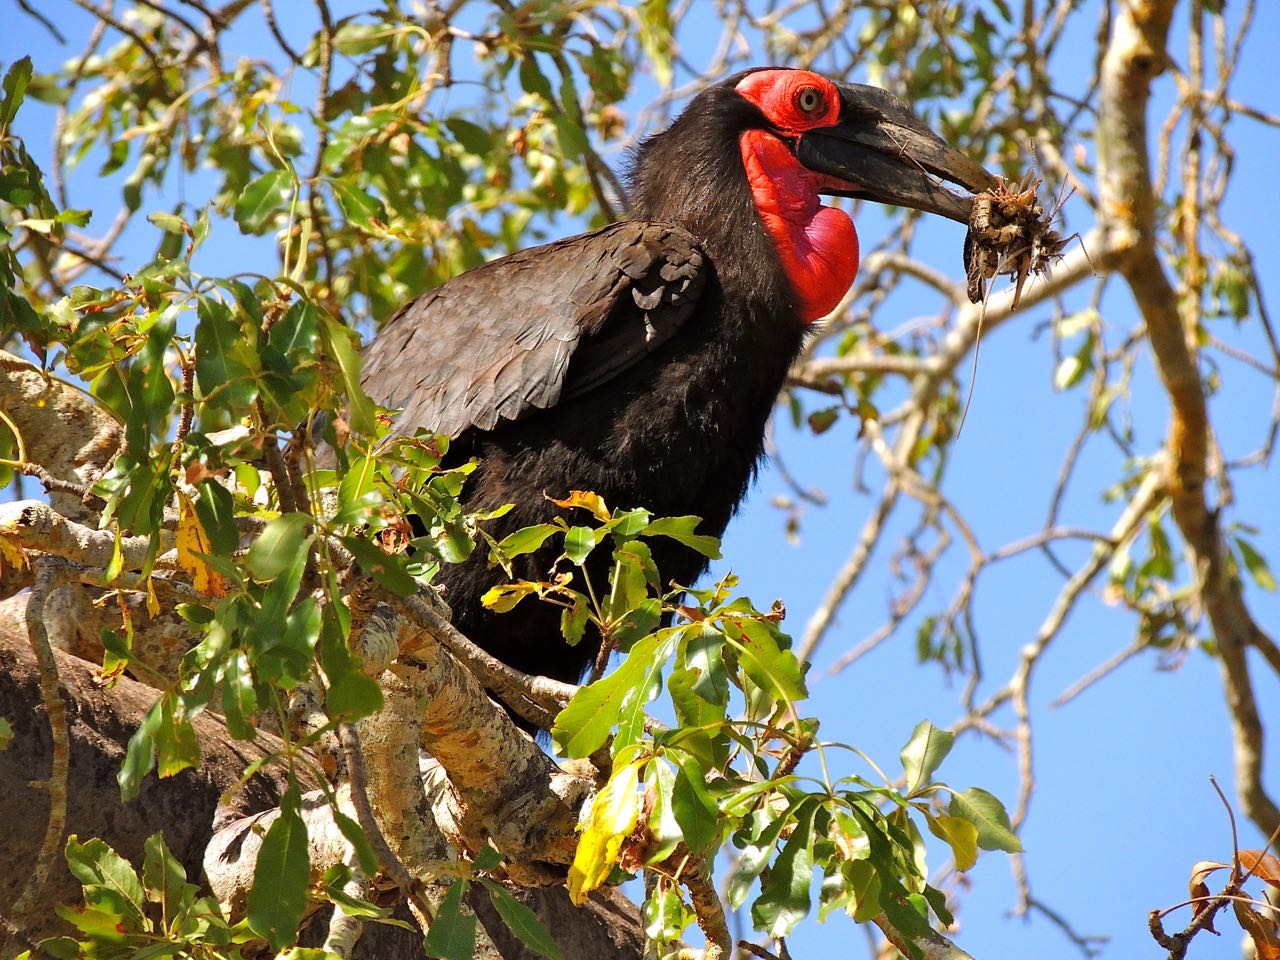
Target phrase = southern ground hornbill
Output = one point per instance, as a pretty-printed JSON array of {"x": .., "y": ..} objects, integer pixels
[{"x": 641, "y": 361}]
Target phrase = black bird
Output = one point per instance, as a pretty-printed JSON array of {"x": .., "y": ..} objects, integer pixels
[{"x": 641, "y": 361}]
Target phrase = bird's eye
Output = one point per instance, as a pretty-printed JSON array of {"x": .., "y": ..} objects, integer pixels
[{"x": 809, "y": 99}]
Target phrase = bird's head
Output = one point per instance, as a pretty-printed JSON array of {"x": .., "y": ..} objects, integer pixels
[{"x": 795, "y": 136}]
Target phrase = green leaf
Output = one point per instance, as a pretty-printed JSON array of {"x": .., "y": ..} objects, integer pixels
[
  {"x": 216, "y": 511},
  {"x": 656, "y": 31},
  {"x": 633, "y": 573},
  {"x": 473, "y": 138},
  {"x": 659, "y": 781},
  {"x": 769, "y": 666},
  {"x": 287, "y": 658},
  {"x": 820, "y": 421},
  {"x": 278, "y": 546},
  {"x": 1256, "y": 564},
  {"x": 574, "y": 619},
  {"x": 15, "y": 89},
  {"x": 785, "y": 901},
  {"x": 453, "y": 933},
  {"x": 97, "y": 925},
  {"x": 637, "y": 623},
  {"x": 262, "y": 198},
  {"x": 862, "y": 881},
  {"x": 239, "y": 700},
  {"x": 923, "y": 753},
  {"x": 225, "y": 366},
  {"x": 109, "y": 882},
  {"x": 583, "y": 726},
  {"x": 360, "y": 209},
  {"x": 168, "y": 222},
  {"x": 295, "y": 334},
  {"x": 165, "y": 879},
  {"x": 988, "y": 814},
  {"x": 337, "y": 342},
  {"x": 681, "y": 529},
  {"x": 140, "y": 755},
  {"x": 757, "y": 852},
  {"x": 522, "y": 921},
  {"x": 352, "y": 694},
  {"x": 176, "y": 745},
  {"x": 386, "y": 568},
  {"x": 357, "y": 493},
  {"x": 579, "y": 542},
  {"x": 532, "y": 79},
  {"x": 526, "y": 540},
  {"x": 278, "y": 899},
  {"x": 665, "y": 919},
  {"x": 693, "y": 807},
  {"x": 334, "y": 880},
  {"x": 359, "y": 842}
]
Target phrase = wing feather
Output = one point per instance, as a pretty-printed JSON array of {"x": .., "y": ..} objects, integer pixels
[{"x": 498, "y": 343}]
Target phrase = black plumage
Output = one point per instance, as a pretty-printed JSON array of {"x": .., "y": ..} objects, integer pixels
[{"x": 640, "y": 361}]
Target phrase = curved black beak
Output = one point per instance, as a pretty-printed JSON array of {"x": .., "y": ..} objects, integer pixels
[{"x": 885, "y": 153}]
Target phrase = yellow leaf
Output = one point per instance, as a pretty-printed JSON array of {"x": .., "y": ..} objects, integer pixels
[
  {"x": 960, "y": 835},
  {"x": 11, "y": 555},
  {"x": 193, "y": 541},
  {"x": 587, "y": 501},
  {"x": 153, "y": 604},
  {"x": 612, "y": 817}
]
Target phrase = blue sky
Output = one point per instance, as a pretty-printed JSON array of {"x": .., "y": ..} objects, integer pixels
[{"x": 1123, "y": 806}]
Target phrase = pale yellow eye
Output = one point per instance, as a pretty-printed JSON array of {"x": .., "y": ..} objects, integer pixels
[{"x": 809, "y": 99}]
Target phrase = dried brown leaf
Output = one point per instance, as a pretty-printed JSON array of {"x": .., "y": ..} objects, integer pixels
[
  {"x": 1264, "y": 931},
  {"x": 1261, "y": 864},
  {"x": 1199, "y": 889}
]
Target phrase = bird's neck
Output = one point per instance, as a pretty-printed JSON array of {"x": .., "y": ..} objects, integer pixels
[{"x": 817, "y": 244}]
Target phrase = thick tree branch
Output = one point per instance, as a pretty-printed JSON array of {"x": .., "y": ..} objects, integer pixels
[
  {"x": 33, "y": 525},
  {"x": 63, "y": 431},
  {"x": 1135, "y": 56}
]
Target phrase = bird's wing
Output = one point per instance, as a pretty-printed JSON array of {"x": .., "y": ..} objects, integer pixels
[{"x": 495, "y": 344}]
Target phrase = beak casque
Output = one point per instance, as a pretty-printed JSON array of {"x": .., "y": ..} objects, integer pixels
[{"x": 887, "y": 154}]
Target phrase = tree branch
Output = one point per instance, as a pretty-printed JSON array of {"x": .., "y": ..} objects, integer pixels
[{"x": 1135, "y": 56}]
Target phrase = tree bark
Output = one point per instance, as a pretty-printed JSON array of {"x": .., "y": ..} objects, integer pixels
[{"x": 184, "y": 808}]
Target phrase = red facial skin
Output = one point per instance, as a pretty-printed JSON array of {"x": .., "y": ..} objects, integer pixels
[{"x": 817, "y": 243}]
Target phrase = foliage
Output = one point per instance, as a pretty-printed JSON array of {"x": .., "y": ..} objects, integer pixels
[
  {"x": 207, "y": 374},
  {"x": 356, "y": 169},
  {"x": 159, "y": 914}
]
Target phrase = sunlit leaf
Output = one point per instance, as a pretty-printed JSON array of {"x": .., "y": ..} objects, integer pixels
[
  {"x": 959, "y": 834},
  {"x": 279, "y": 545},
  {"x": 990, "y": 818},
  {"x": 785, "y": 899},
  {"x": 609, "y": 821},
  {"x": 923, "y": 753},
  {"x": 681, "y": 529},
  {"x": 261, "y": 199}
]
